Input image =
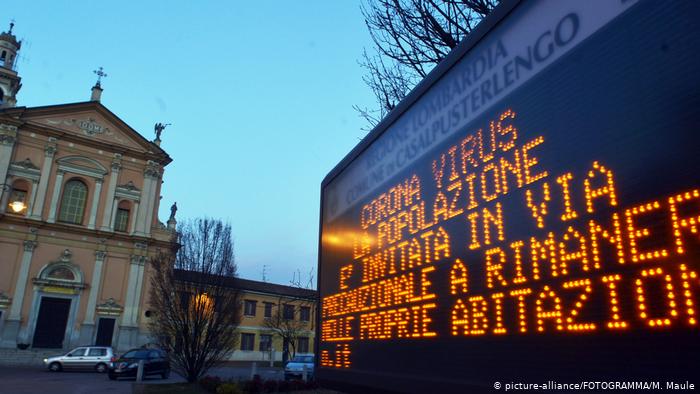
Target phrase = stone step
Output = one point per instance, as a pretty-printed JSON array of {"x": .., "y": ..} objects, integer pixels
[{"x": 28, "y": 357}]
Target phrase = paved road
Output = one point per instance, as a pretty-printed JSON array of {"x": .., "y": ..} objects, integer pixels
[
  {"x": 28, "y": 380},
  {"x": 245, "y": 372},
  {"x": 21, "y": 380}
]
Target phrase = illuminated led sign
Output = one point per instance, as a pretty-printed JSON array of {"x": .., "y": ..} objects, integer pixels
[{"x": 520, "y": 222}]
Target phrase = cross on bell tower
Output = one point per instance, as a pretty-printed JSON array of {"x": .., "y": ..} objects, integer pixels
[{"x": 97, "y": 89}]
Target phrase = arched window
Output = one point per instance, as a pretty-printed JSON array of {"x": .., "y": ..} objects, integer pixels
[
  {"x": 61, "y": 273},
  {"x": 73, "y": 202},
  {"x": 121, "y": 220},
  {"x": 18, "y": 198}
]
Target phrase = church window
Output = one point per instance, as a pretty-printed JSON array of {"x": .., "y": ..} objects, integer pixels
[
  {"x": 18, "y": 198},
  {"x": 121, "y": 220},
  {"x": 73, "y": 202}
]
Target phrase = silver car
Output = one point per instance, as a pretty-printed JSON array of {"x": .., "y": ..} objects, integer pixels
[
  {"x": 84, "y": 357},
  {"x": 299, "y": 365}
]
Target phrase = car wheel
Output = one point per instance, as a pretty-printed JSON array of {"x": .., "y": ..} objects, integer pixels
[
  {"x": 55, "y": 367},
  {"x": 165, "y": 374},
  {"x": 101, "y": 368}
]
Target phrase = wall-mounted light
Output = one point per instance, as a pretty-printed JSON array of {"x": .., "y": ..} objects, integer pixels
[{"x": 17, "y": 206}]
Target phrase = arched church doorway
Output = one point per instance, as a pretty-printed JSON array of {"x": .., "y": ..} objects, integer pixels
[
  {"x": 57, "y": 292},
  {"x": 51, "y": 322}
]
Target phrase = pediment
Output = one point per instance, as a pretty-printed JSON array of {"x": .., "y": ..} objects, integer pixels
[
  {"x": 90, "y": 120},
  {"x": 81, "y": 164},
  {"x": 90, "y": 125}
]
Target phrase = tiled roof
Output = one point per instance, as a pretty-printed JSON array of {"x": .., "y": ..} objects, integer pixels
[{"x": 253, "y": 285}]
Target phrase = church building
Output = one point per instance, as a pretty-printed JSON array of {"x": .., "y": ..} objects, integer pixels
[{"x": 79, "y": 197}]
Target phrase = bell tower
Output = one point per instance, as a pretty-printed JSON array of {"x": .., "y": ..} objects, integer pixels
[{"x": 10, "y": 82}]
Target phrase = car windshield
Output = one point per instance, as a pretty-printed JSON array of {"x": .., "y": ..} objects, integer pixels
[
  {"x": 136, "y": 354},
  {"x": 303, "y": 359}
]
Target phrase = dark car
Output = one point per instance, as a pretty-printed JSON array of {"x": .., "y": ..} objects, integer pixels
[{"x": 155, "y": 362}]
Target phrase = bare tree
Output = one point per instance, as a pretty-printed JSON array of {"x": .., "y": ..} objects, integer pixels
[
  {"x": 287, "y": 321},
  {"x": 411, "y": 37},
  {"x": 293, "y": 317},
  {"x": 196, "y": 310}
]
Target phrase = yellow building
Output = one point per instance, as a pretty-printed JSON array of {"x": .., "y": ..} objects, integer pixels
[
  {"x": 276, "y": 320},
  {"x": 271, "y": 312},
  {"x": 79, "y": 198}
]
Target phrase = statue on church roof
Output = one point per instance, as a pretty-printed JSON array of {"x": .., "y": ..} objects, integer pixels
[
  {"x": 172, "y": 223},
  {"x": 159, "y": 127},
  {"x": 173, "y": 210}
]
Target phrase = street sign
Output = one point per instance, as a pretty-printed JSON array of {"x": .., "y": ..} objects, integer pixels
[{"x": 529, "y": 214}]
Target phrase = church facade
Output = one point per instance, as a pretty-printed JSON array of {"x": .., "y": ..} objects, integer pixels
[{"x": 79, "y": 199}]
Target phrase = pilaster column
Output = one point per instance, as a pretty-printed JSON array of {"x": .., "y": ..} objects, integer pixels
[
  {"x": 111, "y": 190},
  {"x": 134, "y": 215},
  {"x": 133, "y": 294},
  {"x": 54, "y": 197},
  {"x": 113, "y": 216},
  {"x": 95, "y": 202},
  {"x": 22, "y": 277},
  {"x": 139, "y": 290},
  {"x": 95, "y": 286},
  {"x": 140, "y": 228},
  {"x": 155, "y": 196},
  {"x": 145, "y": 217},
  {"x": 32, "y": 196},
  {"x": 38, "y": 204},
  {"x": 5, "y": 190},
  {"x": 152, "y": 169},
  {"x": 8, "y": 136}
]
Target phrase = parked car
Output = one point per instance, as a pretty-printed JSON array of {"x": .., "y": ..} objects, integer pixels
[
  {"x": 295, "y": 368},
  {"x": 84, "y": 357},
  {"x": 155, "y": 362}
]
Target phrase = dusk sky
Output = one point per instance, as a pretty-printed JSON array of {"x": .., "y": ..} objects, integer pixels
[{"x": 259, "y": 95}]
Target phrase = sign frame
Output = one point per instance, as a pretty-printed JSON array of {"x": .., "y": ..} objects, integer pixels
[
  {"x": 497, "y": 15},
  {"x": 480, "y": 33}
]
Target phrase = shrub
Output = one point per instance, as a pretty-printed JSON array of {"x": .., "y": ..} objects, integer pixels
[
  {"x": 254, "y": 386},
  {"x": 270, "y": 386},
  {"x": 229, "y": 388},
  {"x": 297, "y": 384},
  {"x": 210, "y": 383},
  {"x": 284, "y": 386},
  {"x": 311, "y": 385}
]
